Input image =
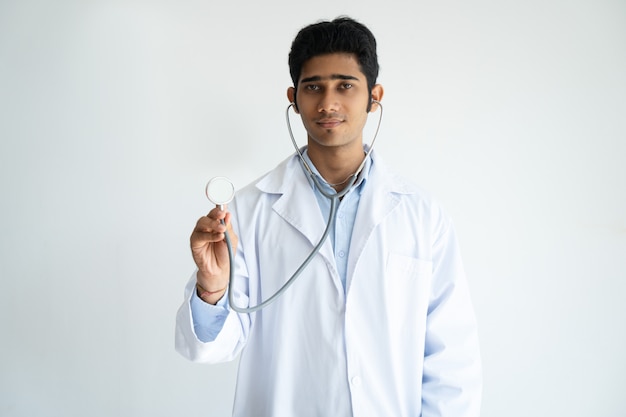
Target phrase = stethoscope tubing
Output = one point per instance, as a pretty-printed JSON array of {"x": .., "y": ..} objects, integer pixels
[
  {"x": 334, "y": 202},
  {"x": 333, "y": 211}
]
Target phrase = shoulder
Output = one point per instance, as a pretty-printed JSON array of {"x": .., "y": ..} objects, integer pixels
[
  {"x": 275, "y": 180},
  {"x": 274, "y": 183},
  {"x": 413, "y": 201},
  {"x": 386, "y": 179}
]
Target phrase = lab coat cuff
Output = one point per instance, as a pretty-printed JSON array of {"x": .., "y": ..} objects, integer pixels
[{"x": 208, "y": 319}]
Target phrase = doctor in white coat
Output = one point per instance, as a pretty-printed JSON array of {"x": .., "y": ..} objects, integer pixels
[{"x": 380, "y": 323}]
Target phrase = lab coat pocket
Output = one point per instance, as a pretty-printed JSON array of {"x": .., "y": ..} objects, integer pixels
[{"x": 407, "y": 292}]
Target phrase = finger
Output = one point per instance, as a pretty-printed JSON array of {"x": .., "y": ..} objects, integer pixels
[
  {"x": 228, "y": 224},
  {"x": 200, "y": 239},
  {"x": 207, "y": 224},
  {"x": 217, "y": 213},
  {"x": 231, "y": 232}
]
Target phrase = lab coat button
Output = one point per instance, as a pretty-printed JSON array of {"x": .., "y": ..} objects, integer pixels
[
  {"x": 356, "y": 381},
  {"x": 342, "y": 254}
]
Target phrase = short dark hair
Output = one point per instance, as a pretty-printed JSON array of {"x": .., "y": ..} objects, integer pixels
[{"x": 342, "y": 35}]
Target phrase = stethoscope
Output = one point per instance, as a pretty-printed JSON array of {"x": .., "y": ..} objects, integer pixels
[{"x": 220, "y": 191}]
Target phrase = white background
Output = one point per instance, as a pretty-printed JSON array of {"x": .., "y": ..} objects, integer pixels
[{"x": 113, "y": 115}]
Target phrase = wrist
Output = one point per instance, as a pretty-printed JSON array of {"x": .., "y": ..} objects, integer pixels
[{"x": 210, "y": 297}]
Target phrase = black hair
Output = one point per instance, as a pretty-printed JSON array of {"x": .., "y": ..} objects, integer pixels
[{"x": 341, "y": 35}]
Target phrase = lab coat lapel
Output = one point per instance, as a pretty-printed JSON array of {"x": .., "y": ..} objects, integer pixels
[
  {"x": 299, "y": 207},
  {"x": 380, "y": 196}
]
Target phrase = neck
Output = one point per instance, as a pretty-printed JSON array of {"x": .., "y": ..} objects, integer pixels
[{"x": 336, "y": 165}]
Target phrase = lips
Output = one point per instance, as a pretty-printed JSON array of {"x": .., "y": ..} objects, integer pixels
[{"x": 329, "y": 123}]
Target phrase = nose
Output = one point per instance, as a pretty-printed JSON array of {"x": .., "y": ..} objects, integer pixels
[{"x": 328, "y": 102}]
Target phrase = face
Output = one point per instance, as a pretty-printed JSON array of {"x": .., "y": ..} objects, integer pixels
[{"x": 332, "y": 99}]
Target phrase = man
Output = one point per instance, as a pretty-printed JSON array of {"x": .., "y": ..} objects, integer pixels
[{"x": 380, "y": 322}]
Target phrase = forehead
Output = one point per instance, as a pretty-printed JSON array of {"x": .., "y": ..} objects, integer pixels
[{"x": 329, "y": 66}]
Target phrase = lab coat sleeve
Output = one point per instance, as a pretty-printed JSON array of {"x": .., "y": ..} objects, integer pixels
[
  {"x": 452, "y": 380},
  {"x": 212, "y": 339},
  {"x": 208, "y": 319}
]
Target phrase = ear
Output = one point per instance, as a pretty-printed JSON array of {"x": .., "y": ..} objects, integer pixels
[
  {"x": 291, "y": 95},
  {"x": 377, "y": 94}
]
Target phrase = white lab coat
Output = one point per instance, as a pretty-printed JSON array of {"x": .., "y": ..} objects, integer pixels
[{"x": 401, "y": 341}]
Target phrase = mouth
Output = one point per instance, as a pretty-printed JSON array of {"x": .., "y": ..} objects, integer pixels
[{"x": 329, "y": 123}]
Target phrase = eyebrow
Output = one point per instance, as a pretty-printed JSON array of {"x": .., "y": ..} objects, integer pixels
[{"x": 316, "y": 78}]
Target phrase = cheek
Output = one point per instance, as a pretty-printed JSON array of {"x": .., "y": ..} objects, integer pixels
[{"x": 307, "y": 123}]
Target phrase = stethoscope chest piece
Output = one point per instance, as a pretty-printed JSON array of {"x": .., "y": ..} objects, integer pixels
[{"x": 220, "y": 191}]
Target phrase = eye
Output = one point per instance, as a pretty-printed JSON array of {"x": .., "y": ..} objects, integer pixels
[
  {"x": 346, "y": 86},
  {"x": 313, "y": 87}
]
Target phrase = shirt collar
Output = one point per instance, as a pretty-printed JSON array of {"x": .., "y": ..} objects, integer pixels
[{"x": 361, "y": 179}]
